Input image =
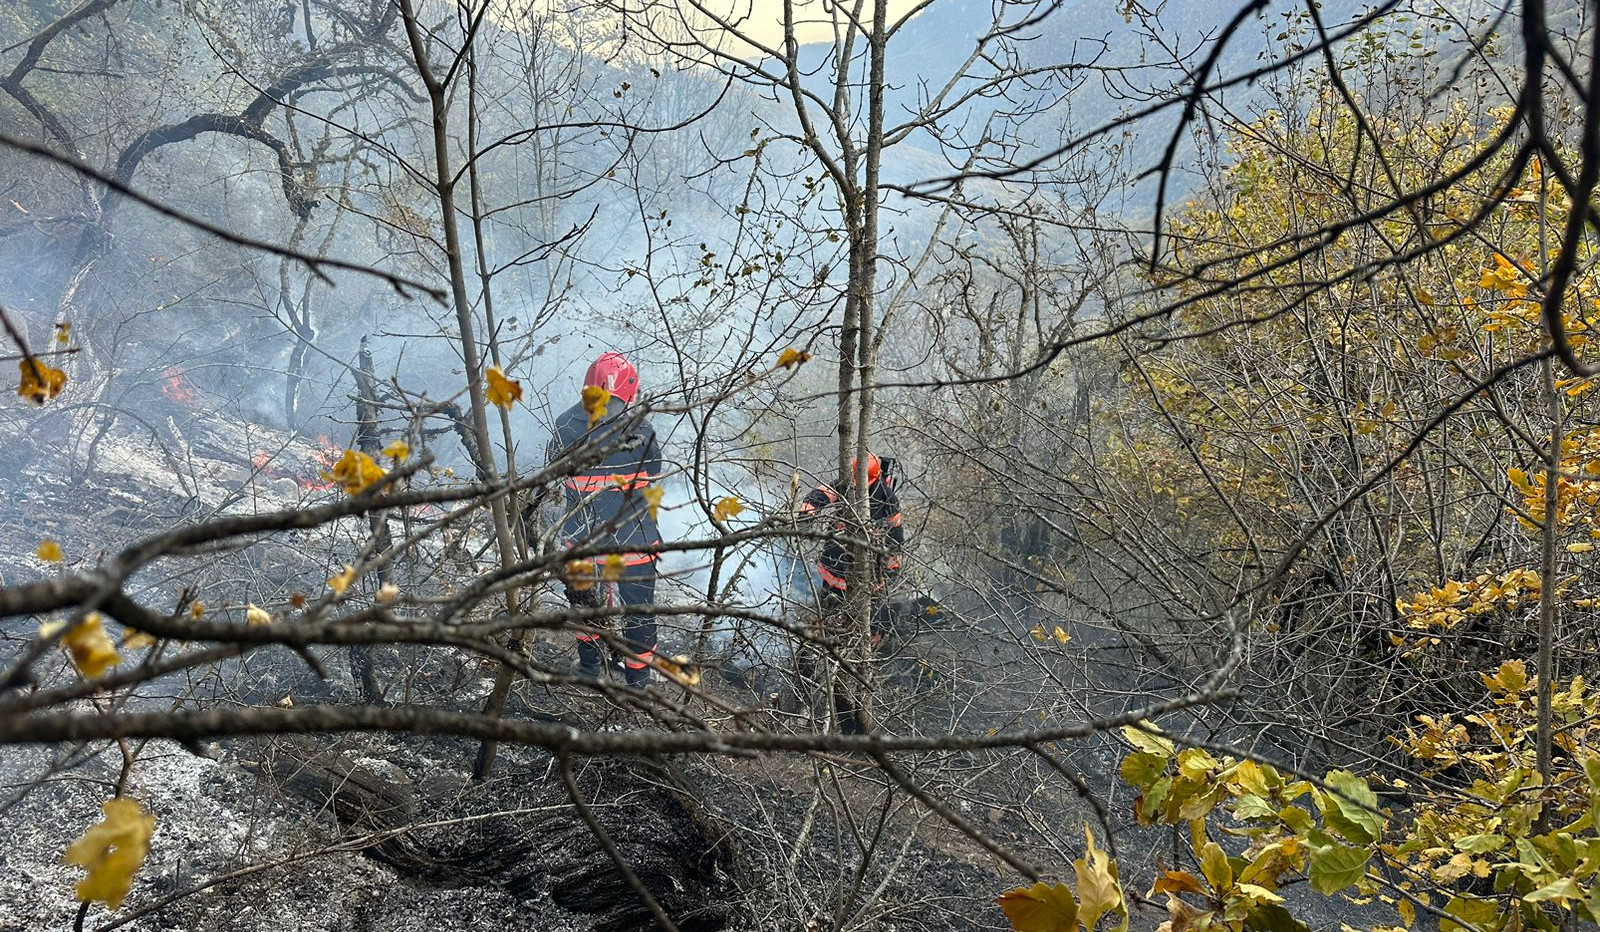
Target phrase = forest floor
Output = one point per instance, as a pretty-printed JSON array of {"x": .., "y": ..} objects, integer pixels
[
  {"x": 243, "y": 844},
  {"x": 240, "y": 846}
]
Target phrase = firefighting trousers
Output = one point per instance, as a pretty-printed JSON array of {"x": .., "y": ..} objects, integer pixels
[
  {"x": 635, "y": 587},
  {"x": 833, "y": 602}
]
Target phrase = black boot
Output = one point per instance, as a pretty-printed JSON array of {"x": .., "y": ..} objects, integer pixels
[
  {"x": 637, "y": 679},
  {"x": 849, "y": 716},
  {"x": 589, "y": 659}
]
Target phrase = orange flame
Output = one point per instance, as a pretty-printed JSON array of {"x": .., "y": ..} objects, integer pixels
[{"x": 325, "y": 455}]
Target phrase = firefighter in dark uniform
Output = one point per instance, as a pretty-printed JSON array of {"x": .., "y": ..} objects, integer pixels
[
  {"x": 885, "y": 532},
  {"x": 886, "y": 538},
  {"x": 605, "y": 506}
]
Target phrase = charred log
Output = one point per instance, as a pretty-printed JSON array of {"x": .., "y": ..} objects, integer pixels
[{"x": 521, "y": 833}]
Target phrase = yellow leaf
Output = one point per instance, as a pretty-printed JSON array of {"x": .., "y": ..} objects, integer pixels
[
  {"x": 387, "y": 593},
  {"x": 1214, "y": 865},
  {"x": 727, "y": 507},
  {"x": 652, "y": 499},
  {"x": 1505, "y": 277},
  {"x": 1061, "y": 636},
  {"x": 1576, "y": 387},
  {"x": 356, "y": 472},
  {"x": 1581, "y": 547},
  {"x": 580, "y": 574},
  {"x": 40, "y": 383},
  {"x": 1251, "y": 777},
  {"x": 1183, "y": 917},
  {"x": 342, "y": 581},
  {"x": 613, "y": 567},
  {"x": 595, "y": 400},
  {"x": 1178, "y": 882},
  {"x": 89, "y": 646},
  {"x": 63, "y": 333},
  {"x": 134, "y": 639},
  {"x": 397, "y": 450},
  {"x": 112, "y": 850},
  {"x": 680, "y": 668},
  {"x": 1041, "y": 908},
  {"x": 1098, "y": 890},
  {"x": 502, "y": 392},
  {"x": 256, "y": 616},
  {"x": 1038, "y": 633},
  {"x": 792, "y": 357},
  {"x": 1454, "y": 869},
  {"x": 49, "y": 551},
  {"x": 1196, "y": 763},
  {"x": 1259, "y": 893},
  {"x": 1146, "y": 737},
  {"x": 197, "y": 609},
  {"x": 1510, "y": 678}
]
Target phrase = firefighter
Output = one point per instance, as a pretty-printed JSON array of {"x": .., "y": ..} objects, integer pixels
[
  {"x": 605, "y": 506},
  {"x": 885, "y": 533},
  {"x": 886, "y": 539}
]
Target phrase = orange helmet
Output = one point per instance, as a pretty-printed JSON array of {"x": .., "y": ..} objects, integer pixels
[{"x": 874, "y": 467}]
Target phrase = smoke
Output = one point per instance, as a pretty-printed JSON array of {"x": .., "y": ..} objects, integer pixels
[{"x": 772, "y": 576}]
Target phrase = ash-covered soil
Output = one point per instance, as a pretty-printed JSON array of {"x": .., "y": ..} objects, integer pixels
[
  {"x": 386, "y": 832},
  {"x": 507, "y": 854},
  {"x": 213, "y": 819}
]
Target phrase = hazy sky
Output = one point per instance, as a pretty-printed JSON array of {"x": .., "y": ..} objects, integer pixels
[
  {"x": 763, "y": 19},
  {"x": 816, "y": 16}
]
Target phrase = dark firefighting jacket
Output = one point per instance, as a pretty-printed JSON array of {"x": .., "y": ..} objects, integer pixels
[
  {"x": 605, "y": 504},
  {"x": 885, "y": 532}
]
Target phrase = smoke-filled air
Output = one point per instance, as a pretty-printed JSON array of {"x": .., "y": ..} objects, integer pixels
[{"x": 799, "y": 465}]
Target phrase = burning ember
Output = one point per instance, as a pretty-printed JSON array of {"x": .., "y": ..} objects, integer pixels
[
  {"x": 320, "y": 465},
  {"x": 175, "y": 388},
  {"x": 324, "y": 456}
]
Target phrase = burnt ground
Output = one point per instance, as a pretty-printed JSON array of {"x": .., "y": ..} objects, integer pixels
[
  {"x": 213, "y": 819},
  {"x": 394, "y": 837},
  {"x": 385, "y": 833}
]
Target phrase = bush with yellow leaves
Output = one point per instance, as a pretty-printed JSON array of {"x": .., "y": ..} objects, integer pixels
[{"x": 1494, "y": 847}]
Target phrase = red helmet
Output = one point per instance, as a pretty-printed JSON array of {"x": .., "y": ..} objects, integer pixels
[
  {"x": 874, "y": 467},
  {"x": 614, "y": 373}
]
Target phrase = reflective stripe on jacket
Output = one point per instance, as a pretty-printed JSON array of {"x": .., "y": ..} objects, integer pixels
[
  {"x": 604, "y": 506},
  {"x": 834, "y": 564}
]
